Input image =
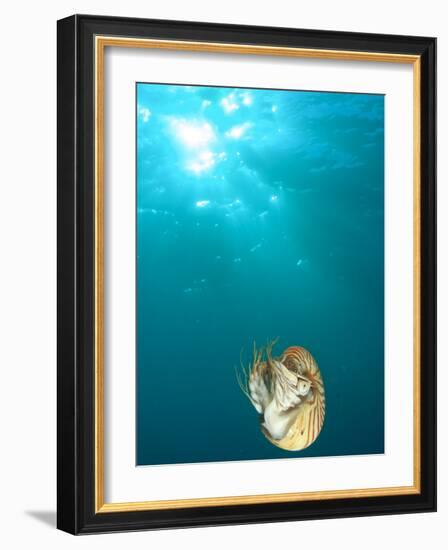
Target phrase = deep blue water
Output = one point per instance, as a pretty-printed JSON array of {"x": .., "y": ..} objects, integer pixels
[{"x": 260, "y": 214}]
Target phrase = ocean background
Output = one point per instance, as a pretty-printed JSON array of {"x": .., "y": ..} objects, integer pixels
[{"x": 260, "y": 214}]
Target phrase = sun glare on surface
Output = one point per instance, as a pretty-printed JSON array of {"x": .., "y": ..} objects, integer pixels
[{"x": 193, "y": 134}]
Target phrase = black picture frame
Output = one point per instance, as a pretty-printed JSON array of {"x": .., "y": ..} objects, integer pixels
[{"x": 76, "y": 511}]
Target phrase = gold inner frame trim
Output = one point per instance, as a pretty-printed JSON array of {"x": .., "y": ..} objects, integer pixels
[{"x": 101, "y": 42}]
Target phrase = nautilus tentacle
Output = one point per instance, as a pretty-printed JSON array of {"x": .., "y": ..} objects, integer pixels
[{"x": 288, "y": 393}]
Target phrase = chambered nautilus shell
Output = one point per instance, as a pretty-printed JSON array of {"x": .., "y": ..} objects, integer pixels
[{"x": 288, "y": 393}]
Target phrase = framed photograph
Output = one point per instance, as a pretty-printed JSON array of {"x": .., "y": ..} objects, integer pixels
[{"x": 246, "y": 274}]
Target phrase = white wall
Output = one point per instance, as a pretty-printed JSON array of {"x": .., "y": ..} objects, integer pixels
[{"x": 28, "y": 270}]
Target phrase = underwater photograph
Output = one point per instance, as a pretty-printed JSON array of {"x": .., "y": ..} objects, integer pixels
[{"x": 259, "y": 274}]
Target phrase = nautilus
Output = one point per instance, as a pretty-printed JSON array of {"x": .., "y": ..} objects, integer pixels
[{"x": 288, "y": 393}]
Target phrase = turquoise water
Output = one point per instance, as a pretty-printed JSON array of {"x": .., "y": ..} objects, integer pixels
[{"x": 260, "y": 214}]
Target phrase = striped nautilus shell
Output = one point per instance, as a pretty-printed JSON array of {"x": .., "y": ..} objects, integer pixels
[{"x": 288, "y": 393}]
